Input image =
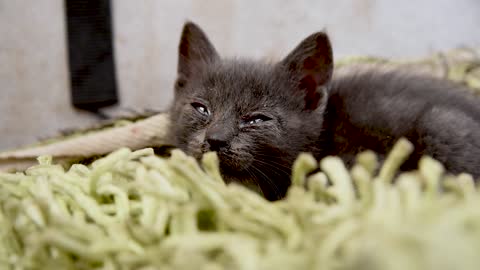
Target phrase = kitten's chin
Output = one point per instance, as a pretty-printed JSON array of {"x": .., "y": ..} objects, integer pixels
[
  {"x": 244, "y": 180},
  {"x": 271, "y": 191}
]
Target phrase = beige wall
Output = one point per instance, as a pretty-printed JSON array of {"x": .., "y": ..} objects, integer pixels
[{"x": 34, "y": 95}]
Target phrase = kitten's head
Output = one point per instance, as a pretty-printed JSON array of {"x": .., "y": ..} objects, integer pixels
[{"x": 258, "y": 117}]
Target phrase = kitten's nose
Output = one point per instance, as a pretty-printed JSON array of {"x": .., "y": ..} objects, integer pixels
[{"x": 217, "y": 142}]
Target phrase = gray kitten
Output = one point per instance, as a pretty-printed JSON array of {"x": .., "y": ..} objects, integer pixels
[{"x": 258, "y": 116}]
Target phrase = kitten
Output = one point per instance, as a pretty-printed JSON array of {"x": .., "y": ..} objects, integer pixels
[{"x": 258, "y": 116}]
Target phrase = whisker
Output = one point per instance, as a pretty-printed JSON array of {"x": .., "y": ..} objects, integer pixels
[
  {"x": 271, "y": 164},
  {"x": 255, "y": 181},
  {"x": 269, "y": 181},
  {"x": 271, "y": 159}
]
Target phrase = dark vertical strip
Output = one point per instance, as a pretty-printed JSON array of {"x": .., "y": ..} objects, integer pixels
[{"x": 90, "y": 52}]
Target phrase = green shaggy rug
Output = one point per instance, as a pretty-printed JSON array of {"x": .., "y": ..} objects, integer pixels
[{"x": 135, "y": 210}]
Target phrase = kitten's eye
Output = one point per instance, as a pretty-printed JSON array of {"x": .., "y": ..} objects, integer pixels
[
  {"x": 202, "y": 109},
  {"x": 256, "y": 119}
]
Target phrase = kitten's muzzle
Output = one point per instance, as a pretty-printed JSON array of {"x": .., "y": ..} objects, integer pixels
[{"x": 219, "y": 138}]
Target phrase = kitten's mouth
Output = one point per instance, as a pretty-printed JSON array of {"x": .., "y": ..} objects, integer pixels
[{"x": 231, "y": 163}]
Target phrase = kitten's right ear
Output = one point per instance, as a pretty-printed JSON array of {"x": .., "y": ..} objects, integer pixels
[{"x": 194, "y": 52}]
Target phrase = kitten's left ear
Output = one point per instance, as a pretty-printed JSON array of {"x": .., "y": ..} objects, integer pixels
[{"x": 311, "y": 65}]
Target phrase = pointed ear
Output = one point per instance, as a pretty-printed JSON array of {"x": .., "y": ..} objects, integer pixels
[
  {"x": 311, "y": 66},
  {"x": 194, "y": 51}
]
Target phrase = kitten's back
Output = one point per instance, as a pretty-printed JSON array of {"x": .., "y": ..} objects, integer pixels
[{"x": 373, "y": 106}]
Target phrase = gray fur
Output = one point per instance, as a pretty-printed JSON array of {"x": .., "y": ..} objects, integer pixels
[{"x": 260, "y": 116}]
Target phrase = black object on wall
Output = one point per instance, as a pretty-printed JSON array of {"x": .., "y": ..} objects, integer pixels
[{"x": 90, "y": 52}]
